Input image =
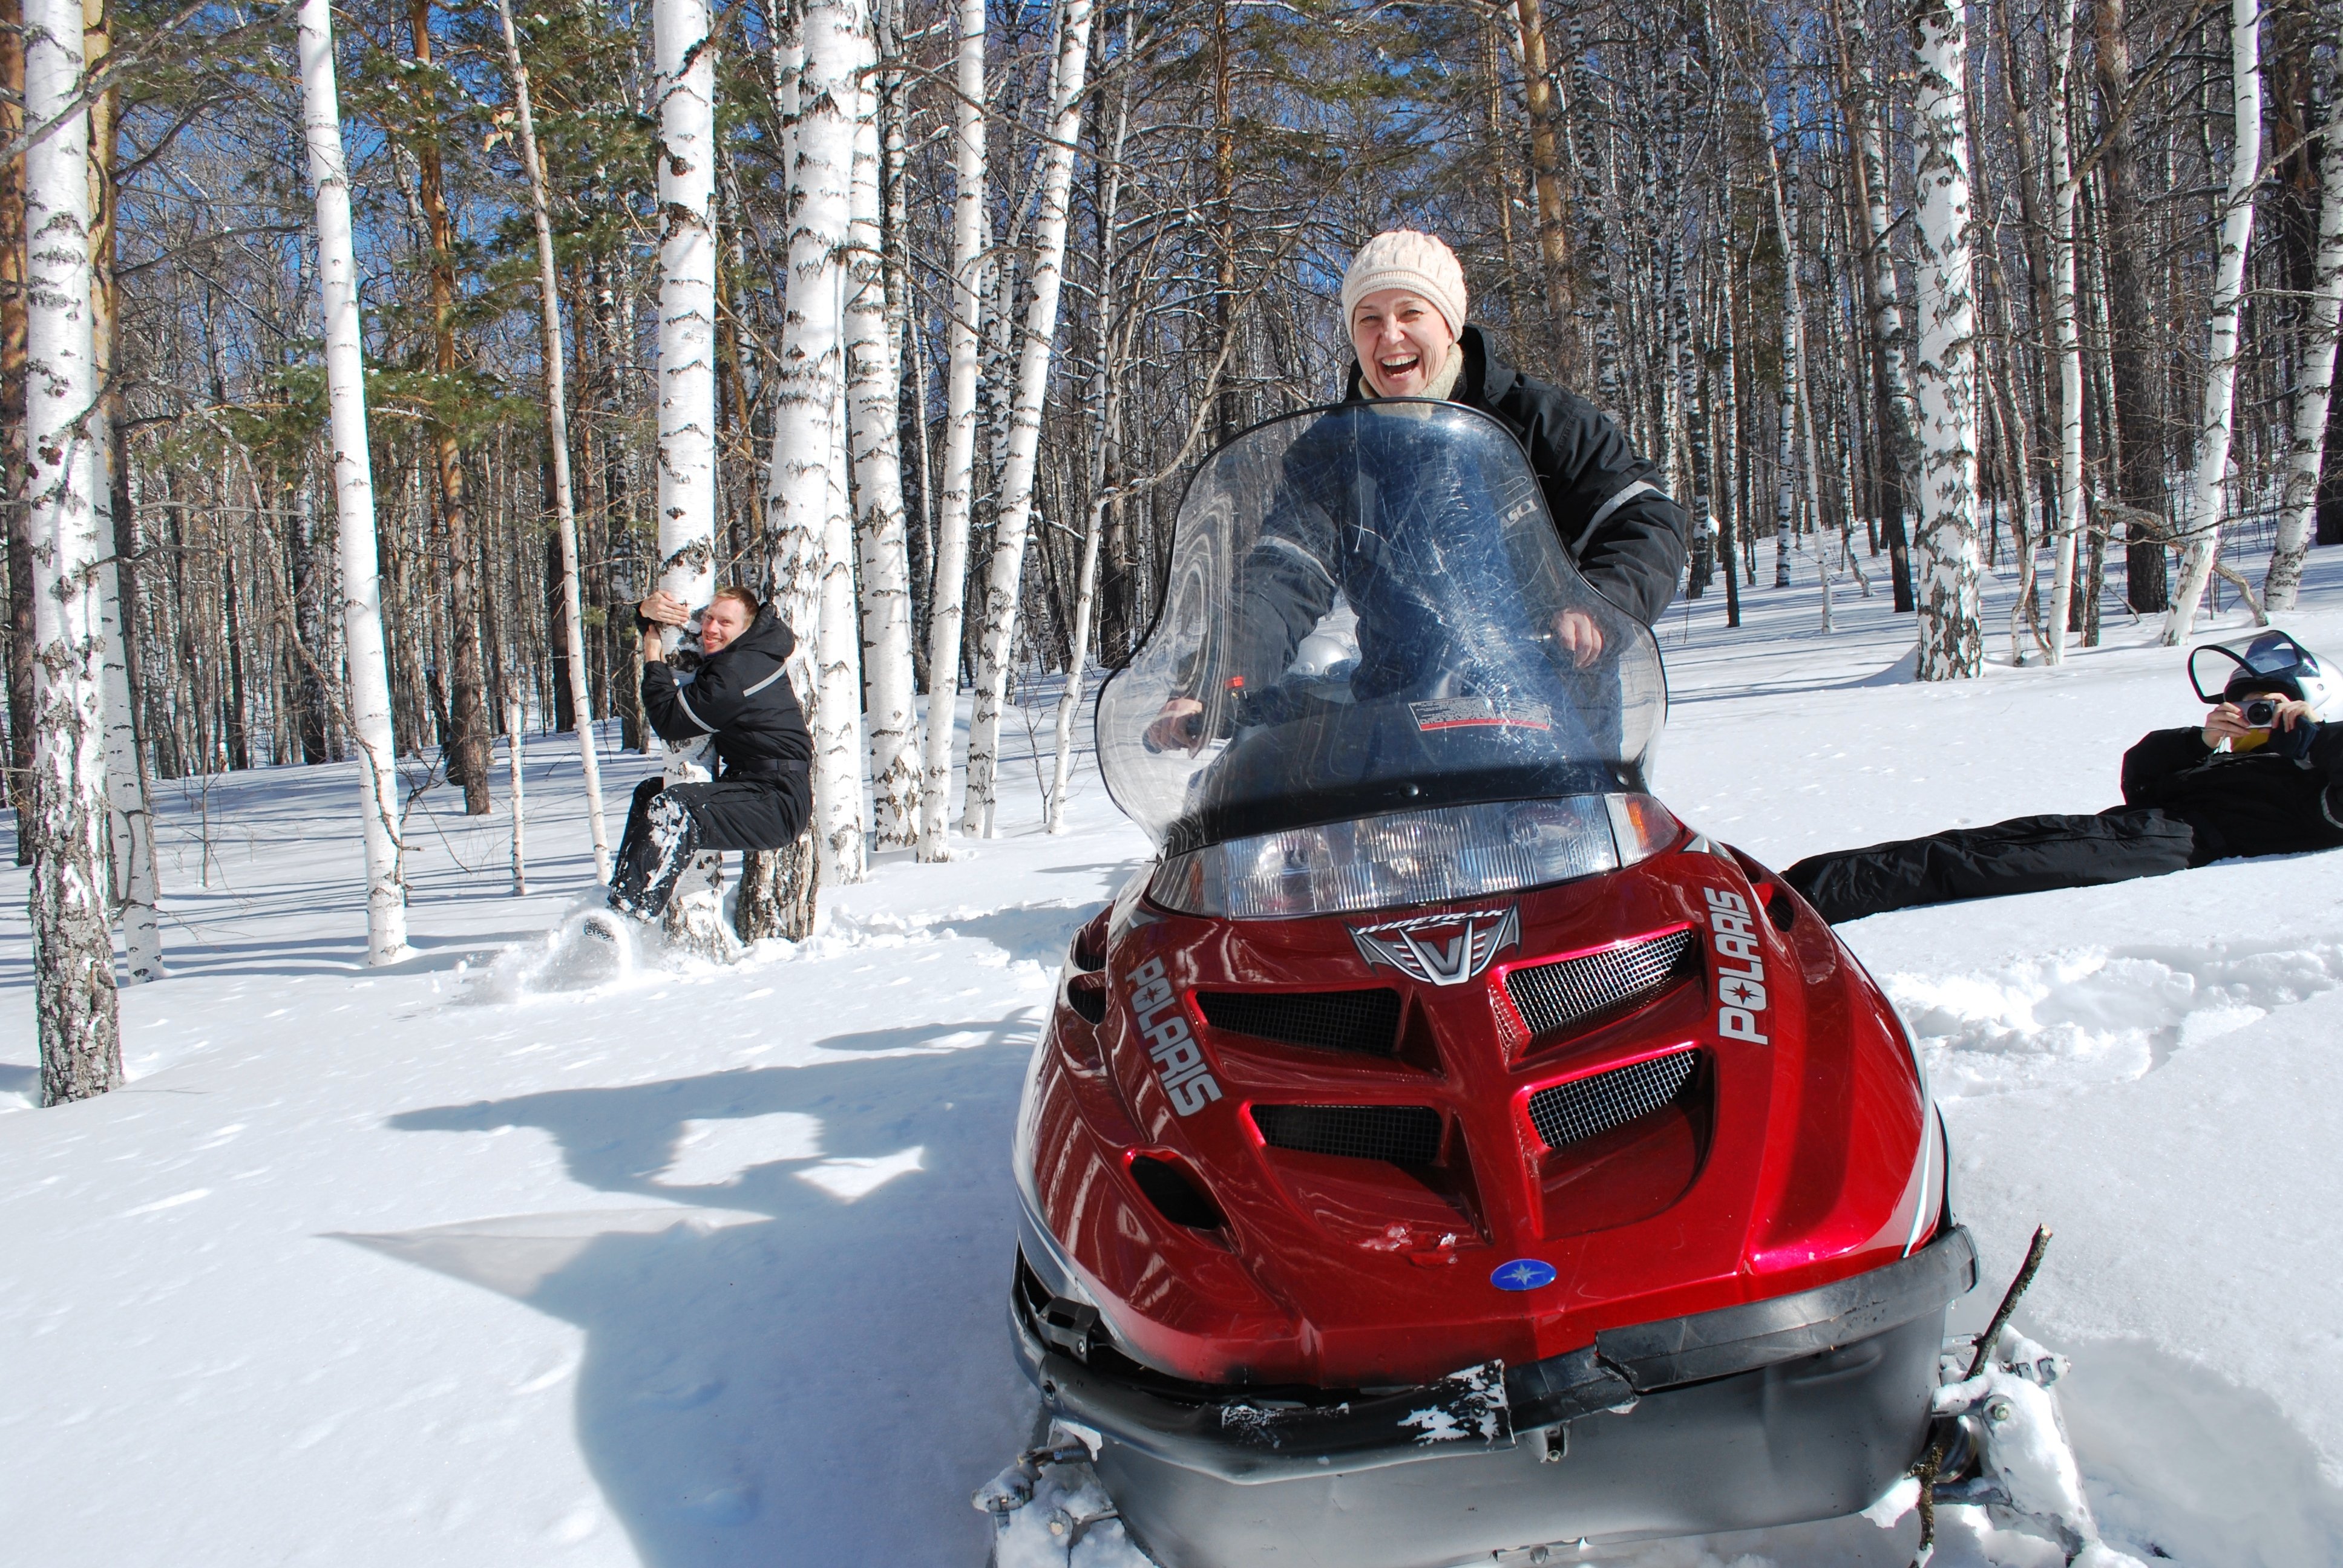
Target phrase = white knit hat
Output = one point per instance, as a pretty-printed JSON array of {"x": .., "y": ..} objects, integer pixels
[{"x": 1402, "y": 258}]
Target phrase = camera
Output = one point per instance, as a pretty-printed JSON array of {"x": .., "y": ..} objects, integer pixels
[{"x": 2261, "y": 712}]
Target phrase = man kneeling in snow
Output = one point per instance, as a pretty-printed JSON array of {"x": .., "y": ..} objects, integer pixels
[
  {"x": 740, "y": 698},
  {"x": 2262, "y": 777}
]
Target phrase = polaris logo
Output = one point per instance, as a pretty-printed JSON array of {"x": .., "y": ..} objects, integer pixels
[
  {"x": 1179, "y": 1059},
  {"x": 1740, "y": 990},
  {"x": 1441, "y": 949}
]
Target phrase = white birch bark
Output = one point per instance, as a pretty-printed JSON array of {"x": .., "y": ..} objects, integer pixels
[
  {"x": 874, "y": 379},
  {"x": 2214, "y": 424},
  {"x": 685, "y": 64},
  {"x": 778, "y": 891},
  {"x": 513, "y": 717},
  {"x": 1887, "y": 307},
  {"x": 838, "y": 728},
  {"x": 1785, "y": 495},
  {"x": 73, "y": 949},
  {"x": 1106, "y": 401},
  {"x": 946, "y": 608},
  {"x": 130, "y": 822},
  {"x": 556, "y": 436},
  {"x": 2313, "y": 391},
  {"x": 1951, "y": 641},
  {"x": 2065, "y": 339},
  {"x": 369, "y": 673},
  {"x": 1005, "y": 575},
  {"x": 804, "y": 497}
]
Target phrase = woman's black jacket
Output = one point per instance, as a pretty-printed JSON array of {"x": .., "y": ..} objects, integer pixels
[
  {"x": 1627, "y": 537},
  {"x": 740, "y": 697},
  {"x": 2262, "y": 802}
]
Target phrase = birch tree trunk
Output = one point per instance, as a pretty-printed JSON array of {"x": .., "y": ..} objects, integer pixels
[
  {"x": 874, "y": 379},
  {"x": 945, "y": 611},
  {"x": 809, "y": 481},
  {"x": 369, "y": 714},
  {"x": 2214, "y": 426},
  {"x": 513, "y": 719},
  {"x": 2313, "y": 390},
  {"x": 1003, "y": 578},
  {"x": 1898, "y": 465},
  {"x": 1951, "y": 641},
  {"x": 1733, "y": 517},
  {"x": 1786, "y": 497},
  {"x": 804, "y": 477},
  {"x": 556, "y": 436},
  {"x": 73, "y": 948},
  {"x": 1107, "y": 383},
  {"x": 685, "y": 82},
  {"x": 2065, "y": 337},
  {"x": 130, "y": 822},
  {"x": 838, "y": 714}
]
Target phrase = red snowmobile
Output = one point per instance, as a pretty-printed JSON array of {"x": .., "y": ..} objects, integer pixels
[{"x": 1440, "y": 1150}]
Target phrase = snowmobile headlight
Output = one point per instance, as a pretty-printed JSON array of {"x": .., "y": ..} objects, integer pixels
[{"x": 1414, "y": 858}]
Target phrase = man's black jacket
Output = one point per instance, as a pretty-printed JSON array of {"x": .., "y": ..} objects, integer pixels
[
  {"x": 1627, "y": 537},
  {"x": 2258, "y": 803},
  {"x": 740, "y": 695}
]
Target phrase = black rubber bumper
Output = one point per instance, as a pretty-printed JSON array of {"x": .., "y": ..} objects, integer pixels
[{"x": 1802, "y": 1407}]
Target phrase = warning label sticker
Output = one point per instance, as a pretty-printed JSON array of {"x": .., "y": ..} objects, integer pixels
[{"x": 1478, "y": 713}]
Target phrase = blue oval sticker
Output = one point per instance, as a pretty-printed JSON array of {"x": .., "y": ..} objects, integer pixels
[{"x": 1523, "y": 1274}]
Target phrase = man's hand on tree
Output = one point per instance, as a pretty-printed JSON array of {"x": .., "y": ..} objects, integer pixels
[
  {"x": 664, "y": 608},
  {"x": 660, "y": 610}
]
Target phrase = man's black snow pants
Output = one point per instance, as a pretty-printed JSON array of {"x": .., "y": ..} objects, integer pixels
[
  {"x": 732, "y": 813},
  {"x": 2022, "y": 855},
  {"x": 729, "y": 813}
]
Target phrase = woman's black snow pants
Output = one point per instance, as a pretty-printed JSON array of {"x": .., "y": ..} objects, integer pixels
[
  {"x": 728, "y": 813},
  {"x": 2022, "y": 855}
]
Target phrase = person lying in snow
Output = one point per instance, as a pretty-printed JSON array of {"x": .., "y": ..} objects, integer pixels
[
  {"x": 738, "y": 697},
  {"x": 2263, "y": 775}
]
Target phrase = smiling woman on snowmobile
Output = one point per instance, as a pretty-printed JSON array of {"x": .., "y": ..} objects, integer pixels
[
  {"x": 1404, "y": 304},
  {"x": 1440, "y": 1150}
]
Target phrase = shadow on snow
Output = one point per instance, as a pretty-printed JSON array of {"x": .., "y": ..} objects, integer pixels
[{"x": 749, "y": 1365}]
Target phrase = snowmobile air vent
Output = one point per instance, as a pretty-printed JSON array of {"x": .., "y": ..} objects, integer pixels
[
  {"x": 1401, "y": 1134},
  {"x": 1363, "y": 1020},
  {"x": 1571, "y": 992},
  {"x": 1086, "y": 994},
  {"x": 1574, "y": 1111},
  {"x": 1175, "y": 1193}
]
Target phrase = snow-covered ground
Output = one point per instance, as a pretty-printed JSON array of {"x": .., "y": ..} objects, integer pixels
[{"x": 404, "y": 1266}]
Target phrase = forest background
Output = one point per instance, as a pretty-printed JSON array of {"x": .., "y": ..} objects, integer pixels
[{"x": 1892, "y": 294}]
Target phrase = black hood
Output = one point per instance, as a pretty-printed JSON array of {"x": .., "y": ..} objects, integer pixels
[{"x": 768, "y": 635}]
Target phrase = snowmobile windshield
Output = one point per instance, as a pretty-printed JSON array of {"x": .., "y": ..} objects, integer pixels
[{"x": 1368, "y": 612}]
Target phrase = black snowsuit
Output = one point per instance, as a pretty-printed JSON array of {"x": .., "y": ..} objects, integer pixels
[
  {"x": 1621, "y": 529},
  {"x": 2185, "y": 804},
  {"x": 762, "y": 795}
]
